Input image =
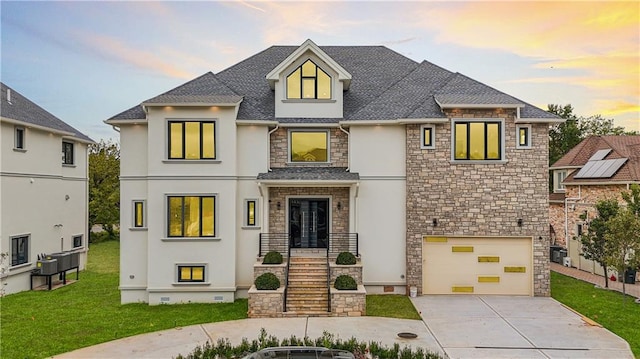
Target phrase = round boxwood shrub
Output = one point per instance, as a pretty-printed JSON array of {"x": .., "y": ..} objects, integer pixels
[
  {"x": 346, "y": 282},
  {"x": 267, "y": 281},
  {"x": 272, "y": 258},
  {"x": 346, "y": 258}
]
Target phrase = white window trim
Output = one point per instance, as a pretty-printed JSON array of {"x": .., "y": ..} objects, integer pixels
[
  {"x": 289, "y": 145},
  {"x": 333, "y": 75},
  {"x": 502, "y": 159},
  {"x": 176, "y": 275},
  {"x": 29, "y": 260},
  {"x": 166, "y": 158},
  {"x": 245, "y": 209},
  {"x": 73, "y": 150},
  {"x": 558, "y": 187},
  {"x": 81, "y": 241},
  {"x": 433, "y": 137},
  {"x": 528, "y": 145},
  {"x": 133, "y": 215},
  {"x": 216, "y": 217}
]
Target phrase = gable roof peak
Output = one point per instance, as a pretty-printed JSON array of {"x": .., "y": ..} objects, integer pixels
[{"x": 308, "y": 45}]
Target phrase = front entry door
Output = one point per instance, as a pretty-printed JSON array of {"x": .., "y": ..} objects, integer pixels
[{"x": 308, "y": 222}]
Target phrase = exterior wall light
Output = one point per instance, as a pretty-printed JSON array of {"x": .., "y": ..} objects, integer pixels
[
  {"x": 435, "y": 222},
  {"x": 279, "y": 205},
  {"x": 339, "y": 206},
  {"x": 519, "y": 222}
]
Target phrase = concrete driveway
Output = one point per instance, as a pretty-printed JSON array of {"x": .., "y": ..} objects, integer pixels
[
  {"x": 514, "y": 327},
  {"x": 456, "y": 326}
]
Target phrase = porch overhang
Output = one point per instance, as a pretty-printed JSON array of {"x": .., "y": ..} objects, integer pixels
[{"x": 308, "y": 177}]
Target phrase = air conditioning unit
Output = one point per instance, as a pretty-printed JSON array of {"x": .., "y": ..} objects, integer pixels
[
  {"x": 566, "y": 261},
  {"x": 64, "y": 260},
  {"x": 74, "y": 259},
  {"x": 48, "y": 266}
]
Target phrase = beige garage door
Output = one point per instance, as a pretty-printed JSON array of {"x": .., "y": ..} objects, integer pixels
[{"x": 473, "y": 265}]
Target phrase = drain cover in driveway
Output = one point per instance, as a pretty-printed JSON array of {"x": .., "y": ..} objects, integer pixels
[{"x": 407, "y": 335}]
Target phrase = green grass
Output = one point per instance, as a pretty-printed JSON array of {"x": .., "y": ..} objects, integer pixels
[
  {"x": 609, "y": 308},
  {"x": 392, "y": 306},
  {"x": 38, "y": 324}
]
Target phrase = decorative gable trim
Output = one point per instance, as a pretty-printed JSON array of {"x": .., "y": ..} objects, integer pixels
[{"x": 309, "y": 45}]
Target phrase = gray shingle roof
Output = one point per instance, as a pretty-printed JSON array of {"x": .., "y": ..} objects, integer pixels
[
  {"x": 310, "y": 174},
  {"x": 204, "y": 89},
  {"x": 385, "y": 86},
  {"x": 22, "y": 109}
]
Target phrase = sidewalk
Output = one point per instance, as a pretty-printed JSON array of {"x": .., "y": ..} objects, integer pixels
[{"x": 631, "y": 289}]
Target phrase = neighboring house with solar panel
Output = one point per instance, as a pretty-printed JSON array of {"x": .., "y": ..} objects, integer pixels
[
  {"x": 435, "y": 180},
  {"x": 598, "y": 168},
  {"x": 43, "y": 188}
]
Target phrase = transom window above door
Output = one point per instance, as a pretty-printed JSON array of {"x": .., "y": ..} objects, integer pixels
[
  {"x": 309, "y": 82},
  {"x": 308, "y": 146}
]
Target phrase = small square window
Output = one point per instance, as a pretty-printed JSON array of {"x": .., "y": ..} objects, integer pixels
[
  {"x": 138, "y": 214},
  {"x": 427, "y": 136},
  {"x": 67, "y": 153},
  {"x": 19, "y": 250},
  {"x": 19, "y": 140},
  {"x": 77, "y": 241},
  {"x": 191, "y": 274},
  {"x": 523, "y": 136}
]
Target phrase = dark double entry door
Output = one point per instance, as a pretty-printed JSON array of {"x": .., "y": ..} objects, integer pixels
[{"x": 309, "y": 222}]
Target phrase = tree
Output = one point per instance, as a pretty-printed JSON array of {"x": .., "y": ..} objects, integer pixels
[
  {"x": 594, "y": 245},
  {"x": 104, "y": 186},
  {"x": 633, "y": 199},
  {"x": 623, "y": 242}
]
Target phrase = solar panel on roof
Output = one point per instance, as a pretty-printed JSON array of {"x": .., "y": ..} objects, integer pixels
[
  {"x": 600, "y": 154},
  {"x": 601, "y": 168}
]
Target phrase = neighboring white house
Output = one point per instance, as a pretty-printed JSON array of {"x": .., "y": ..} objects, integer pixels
[
  {"x": 437, "y": 181},
  {"x": 43, "y": 188}
]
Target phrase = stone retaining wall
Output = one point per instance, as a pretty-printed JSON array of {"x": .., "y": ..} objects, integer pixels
[
  {"x": 280, "y": 270},
  {"x": 353, "y": 270},
  {"x": 348, "y": 303},
  {"x": 265, "y": 303}
]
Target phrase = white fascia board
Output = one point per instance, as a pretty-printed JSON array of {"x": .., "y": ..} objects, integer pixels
[
  {"x": 191, "y": 104},
  {"x": 310, "y": 125},
  {"x": 343, "y": 75},
  {"x": 539, "y": 120},
  {"x": 256, "y": 122},
  {"x": 600, "y": 183},
  {"x": 77, "y": 139},
  {"x": 369, "y": 123},
  {"x": 38, "y": 127},
  {"x": 564, "y": 168},
  {"x": 304, "y": 183},
  {"x": 117, "y": 122},
  {"x": 422, "y": 120},
  {"x": 480, "y": 105}
]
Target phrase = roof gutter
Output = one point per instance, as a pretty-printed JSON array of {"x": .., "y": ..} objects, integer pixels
[{"x": 269, "y": 147}]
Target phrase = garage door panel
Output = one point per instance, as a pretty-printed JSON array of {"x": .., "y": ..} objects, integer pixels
[{"x": 477, "y": 266}]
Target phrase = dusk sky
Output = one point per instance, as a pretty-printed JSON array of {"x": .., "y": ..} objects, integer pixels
[{"x": 87, "y": 61}]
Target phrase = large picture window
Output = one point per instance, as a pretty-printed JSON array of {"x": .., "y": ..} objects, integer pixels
[
  {"x": 191, "y": 216},
  {"x": 191, "y": 273},
  {"x": 478, "y": 140},
  {"x": 19, "y": 250},
  {"x": 309, "y": 146},
  {"x": 67, "y": 153},
  {"x": 309, "y": 82},
  {"x": 192, "y": 140}
]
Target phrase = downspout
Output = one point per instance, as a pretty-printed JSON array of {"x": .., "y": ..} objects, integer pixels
[
  {"x": 269, "y": 147},
  {"x": 566, "y": 217},
  {"x": 348, "y": 147}
]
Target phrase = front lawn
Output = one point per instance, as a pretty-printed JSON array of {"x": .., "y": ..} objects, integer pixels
[
  {"x": 392, "y": 306},
  {"x": 38, "y": 324},
  {"x": 603, "y": 306}
]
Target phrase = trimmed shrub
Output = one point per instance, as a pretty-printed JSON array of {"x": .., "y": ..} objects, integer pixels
[
  {"x": 267, "y": 281},
  {"x": 346, "y": 282},
  {"x": 346, "y": 258},
  {"x": 272, "y": 258}
]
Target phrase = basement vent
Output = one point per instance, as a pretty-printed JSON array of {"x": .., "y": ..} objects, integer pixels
[
  {"x": 218, "y": 298},
  {"x": 165, "y": 299}
]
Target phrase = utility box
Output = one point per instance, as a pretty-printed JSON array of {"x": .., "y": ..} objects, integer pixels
[
  {"x": 48, "y": 266},
  {"x": 74, "y": 259},
  {"x": 64, "y": 260}
]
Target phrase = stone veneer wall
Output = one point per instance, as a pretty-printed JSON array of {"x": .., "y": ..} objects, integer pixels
[
  {"x": 338, "y": 149},
  {"x": 348, "y": 303},
  {"x": 340, "y": 218},
  {"x": 354, "y": 271},
  {"x": 265, "y": 303},
  {"x": 556, "y": 220},
  {"x": 280, "y": 270},
  {"x": 478, "y": 199}
]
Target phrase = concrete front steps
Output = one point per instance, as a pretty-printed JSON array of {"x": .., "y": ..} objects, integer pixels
[{"x": 307, "y": 292}]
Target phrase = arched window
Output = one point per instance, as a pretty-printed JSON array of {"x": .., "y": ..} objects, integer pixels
[{"x": 309, "y": 82}]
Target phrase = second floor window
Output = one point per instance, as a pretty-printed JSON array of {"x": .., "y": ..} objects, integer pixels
[
  {"x": 477, "y": 140},
  {"x": 308, "y": 146},
  {"x": 192, "y": 140},
  {"x": 192, "y": 216},
  {"x": 19, "y": 140},
  {"x": 558, "y": 178},
  {"x": 309, "y": 82},
  {"x": 67, "y": 153}
]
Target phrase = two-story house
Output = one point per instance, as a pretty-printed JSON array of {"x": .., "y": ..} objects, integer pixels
[
  {"x": 43, "y": 188},
  {"x": 598, "y": 168},
  {"x": 436, "y": 181}
]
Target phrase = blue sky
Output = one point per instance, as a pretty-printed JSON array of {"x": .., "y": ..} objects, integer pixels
[{"x": 87, "y": 61}]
